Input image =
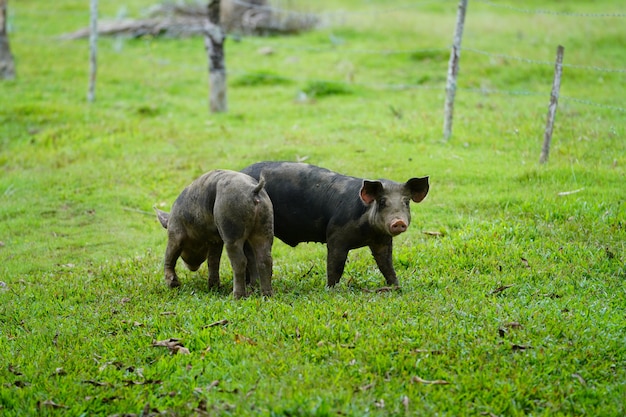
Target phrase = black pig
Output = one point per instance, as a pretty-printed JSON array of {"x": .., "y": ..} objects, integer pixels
[
  {"x": 313, "y": 204},
  {"x": 221, "y": 208}
]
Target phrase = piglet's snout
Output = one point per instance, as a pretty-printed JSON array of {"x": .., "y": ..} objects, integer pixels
[{"x": 398, "y": 226}]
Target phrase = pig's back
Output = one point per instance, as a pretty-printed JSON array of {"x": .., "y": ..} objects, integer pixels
[{"x": 308, "y": 199}]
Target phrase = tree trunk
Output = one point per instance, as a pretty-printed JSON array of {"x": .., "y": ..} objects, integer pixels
[
  {"x": 214, "y": 44},
  {"x": 7, "y": 65}
]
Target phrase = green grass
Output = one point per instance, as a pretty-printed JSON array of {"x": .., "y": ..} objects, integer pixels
[{"x": 519, "y": 303}]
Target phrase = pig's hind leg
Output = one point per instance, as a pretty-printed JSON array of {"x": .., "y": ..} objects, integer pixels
[
  {"x": 252, "y": 272},
  {"x": 214, "y": 255},
  {"x": 238, "y": 261},
  {"x": 262, "y": 246}
]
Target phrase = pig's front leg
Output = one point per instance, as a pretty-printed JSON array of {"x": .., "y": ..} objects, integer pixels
[
  {"x": 382, "y": 252},
  {"x": 213, "y": 261},
  {"x": 335, "y": 262}
]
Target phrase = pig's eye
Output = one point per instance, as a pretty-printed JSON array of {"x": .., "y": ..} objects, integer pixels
[
  {"x": 406, "y": 201},
  {"x": 382, "y": 202}
]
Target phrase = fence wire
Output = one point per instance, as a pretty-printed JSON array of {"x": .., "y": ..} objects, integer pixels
[
  {"x": 533, "y": 61},
  {"x": 549, "y": 12}
]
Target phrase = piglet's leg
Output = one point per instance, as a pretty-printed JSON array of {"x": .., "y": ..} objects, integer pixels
[
  {"x": 382, "y": 253},
  {"x": 263, "y": 255},
  {"x": 335, "y": 262},
  {"x": 252, "y": 272},
  {"x": 213, "y": 260},
  {"x": 238, "y": 261},
  {"x": 172, "y": 253}
]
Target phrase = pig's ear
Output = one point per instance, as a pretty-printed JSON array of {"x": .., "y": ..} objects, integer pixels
[
  {"x": 418, "y": 188},
  {"x": 370, "y": 191}
]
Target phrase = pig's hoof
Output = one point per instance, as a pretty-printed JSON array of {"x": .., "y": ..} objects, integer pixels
[
  {"x": 173, "y": 283},
  {"x": 239, "y": 295}
]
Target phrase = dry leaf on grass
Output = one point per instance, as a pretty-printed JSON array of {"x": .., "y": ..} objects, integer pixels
[
  {"x": 431, "y": 351},
  {"x": 239, "y": 338},
  {"x": 579, "y": 378},
  {"x": 96, "y": 383},
  {"x": 418, "y": 380},
  {"x": 433, "y": 233},
  {"x": 366, "y": 387},
  {"x": 501, "y": 289},
  {"x": 217, "y": 323},
  {"x": 14, "y": 371},
  {"x": 205, "y": 352},
  {"x": 129, "y": 382},
  {"x": 50, "y": 403},
  {"x": 564, "y": 193},
  {"x": 517, "y": 347},
  {"x": 174, "y": 345},
  {"x": 405, "y": 403},
  {"x": 502, "y": 331},
  {"x": 182, "y": 350}
]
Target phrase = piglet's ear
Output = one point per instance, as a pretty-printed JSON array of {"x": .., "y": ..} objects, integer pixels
[
  {"x": 418, "y": 188},
  {"x": 370, "y": 191}
]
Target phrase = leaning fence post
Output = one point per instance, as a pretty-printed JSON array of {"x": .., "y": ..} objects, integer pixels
[
  {"x": 453, "y": 70},
  {"x": 214, "y": 44},
  {"x": 554, "y": 102},
  {"x": 93, "y": 51}
]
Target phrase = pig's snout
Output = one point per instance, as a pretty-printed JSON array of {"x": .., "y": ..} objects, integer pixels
[{"x": 398, "y": 226}]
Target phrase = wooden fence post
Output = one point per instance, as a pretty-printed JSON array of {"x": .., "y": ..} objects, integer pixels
[
  {"x": 7, "y": 63},
  {"x": 93, "y": 51},
  {"x": 554, "y": 102},
  {"x": 214, "y": 44},
  {"x": 453, "y": 70}
]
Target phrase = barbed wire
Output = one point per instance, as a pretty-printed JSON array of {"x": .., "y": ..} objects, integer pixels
[
  {"x": 386, "y": 52},
  {"x": 337, "y": 47},
  {"x": 533, "y": 61},
  {"x": 394, "y": 86},
  {"x": 593, "y": 103},
  {"x": 549, "y": 12},
  {"x": 487, "y": 91},
  {"x": 424, "y": 2}
]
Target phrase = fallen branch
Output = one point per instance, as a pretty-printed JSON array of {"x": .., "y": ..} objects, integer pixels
[{"x": 182, "y": 20}]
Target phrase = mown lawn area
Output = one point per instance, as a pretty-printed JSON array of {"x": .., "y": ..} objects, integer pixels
[{"x": 512, "y": 273}]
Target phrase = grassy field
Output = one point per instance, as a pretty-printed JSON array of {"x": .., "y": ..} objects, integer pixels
[{"x": 513, "y": 296}]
